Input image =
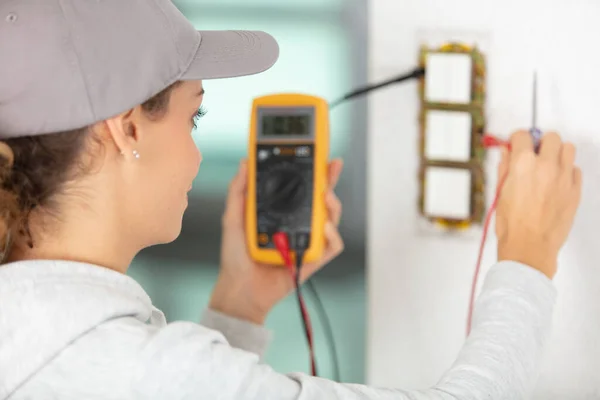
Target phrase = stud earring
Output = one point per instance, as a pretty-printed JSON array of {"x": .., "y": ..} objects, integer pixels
[{"x": 136, "y": 154}]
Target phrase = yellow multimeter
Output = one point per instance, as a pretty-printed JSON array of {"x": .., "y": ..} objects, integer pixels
[{"x": 287, "y": 175}]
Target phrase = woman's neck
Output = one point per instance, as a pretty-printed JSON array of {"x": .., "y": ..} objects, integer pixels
[{"x": 86, "y": 237}]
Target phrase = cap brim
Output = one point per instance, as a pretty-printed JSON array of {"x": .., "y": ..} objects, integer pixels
[{"x": 229, "y": 54}]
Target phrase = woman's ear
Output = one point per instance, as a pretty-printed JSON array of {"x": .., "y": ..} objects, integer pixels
[{"x": 124, "y": 131}]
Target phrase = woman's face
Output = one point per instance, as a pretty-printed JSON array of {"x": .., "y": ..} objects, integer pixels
[{"x": 169, "y": 160}]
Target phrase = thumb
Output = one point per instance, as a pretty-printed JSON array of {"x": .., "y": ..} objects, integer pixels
[
  {"x": 503, "y": 166},
  {"x": 234, "y": 207}
]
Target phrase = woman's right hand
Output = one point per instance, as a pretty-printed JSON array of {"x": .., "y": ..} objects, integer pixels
[{"x": 538, "y": 200}]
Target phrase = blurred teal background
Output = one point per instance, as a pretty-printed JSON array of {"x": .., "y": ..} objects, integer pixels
[{"x": 323, "y": 47}]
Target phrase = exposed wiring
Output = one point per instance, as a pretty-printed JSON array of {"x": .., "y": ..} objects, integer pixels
[
  {"x": 487, "y": 141},
  {"x": 416, "y": 73},
  {"x": 328, "y": 330},
  {"x": 305, "y": 316},
  {"x": 282, "y": 243},
  {"x": 486, "y": 227},
  {"x": 323, "y": 316},
  {"x": 281, "y": 239}
]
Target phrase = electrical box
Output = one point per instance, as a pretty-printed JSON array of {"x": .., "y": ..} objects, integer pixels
[{"x": 452, "y": 121}]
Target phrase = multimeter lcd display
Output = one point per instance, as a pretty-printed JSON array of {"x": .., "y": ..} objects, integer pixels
[{"x": 286, "y": 125}]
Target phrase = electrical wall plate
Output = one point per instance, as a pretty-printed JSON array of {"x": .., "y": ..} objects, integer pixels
[
  {"x": 447, "y": 193},
  {"x": 448, "y": 135},
  {"x": 452, "y": 122},
  {"x": 440, "y": 36},
  {"x": 449, "y": 78}
]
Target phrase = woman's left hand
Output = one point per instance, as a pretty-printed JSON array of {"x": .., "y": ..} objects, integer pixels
[{"x": 249, "y": 290}]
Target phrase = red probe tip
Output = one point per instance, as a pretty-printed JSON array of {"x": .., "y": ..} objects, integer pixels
[{"x": 492, "y": 141}]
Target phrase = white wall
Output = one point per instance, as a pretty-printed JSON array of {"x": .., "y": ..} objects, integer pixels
[{"x": 418, "y": 284}]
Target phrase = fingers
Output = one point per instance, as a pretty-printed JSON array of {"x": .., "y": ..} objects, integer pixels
[
  {"x": 333, "y": 239},
  {"x": 332, "y": 202},
  {"x": 577, "y": 177},
  {"x": 567, "y": 156},
  {"x": 577, "y": 182},
  {"x": 521, "y": 142},
  {"x": 335, "y": 170},
  {"x": 550, "y": 147},
  {"x": 503, "y": 166},
  {"x": 335, "y": 243},
  {"x": 234, "y": 207},
  {"x": 334, "y": 207}
]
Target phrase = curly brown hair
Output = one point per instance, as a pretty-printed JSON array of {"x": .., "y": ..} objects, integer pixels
[{"x": 40, "y": 166}]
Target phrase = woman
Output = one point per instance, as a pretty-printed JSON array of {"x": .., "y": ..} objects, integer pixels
[{"x": 97, "y": 160}]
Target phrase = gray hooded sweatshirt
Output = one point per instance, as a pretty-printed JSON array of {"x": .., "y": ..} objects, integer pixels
[{"x": 74, "y": 331}]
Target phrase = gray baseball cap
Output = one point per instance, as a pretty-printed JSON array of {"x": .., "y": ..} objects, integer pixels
[{"x": 67, "y": 64}]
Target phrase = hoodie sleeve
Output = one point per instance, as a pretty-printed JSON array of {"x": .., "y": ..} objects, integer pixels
[
  {"x": 498, "y": 361},
  {"x": 243, "y": 335}
]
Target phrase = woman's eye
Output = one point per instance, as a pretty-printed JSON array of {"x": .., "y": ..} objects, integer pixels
[{"x": 199, "y": 114}]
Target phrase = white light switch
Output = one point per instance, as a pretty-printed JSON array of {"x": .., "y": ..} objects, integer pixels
[
  {"x": 448, "y": 78},
  {"x": 447, "y": 193},
  {"x": 448, "y": 135}
]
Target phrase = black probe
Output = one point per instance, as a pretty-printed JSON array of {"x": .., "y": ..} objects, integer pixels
[
  {"x": 283, "y": 245},
  {"x": 414, "y": 74}
]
